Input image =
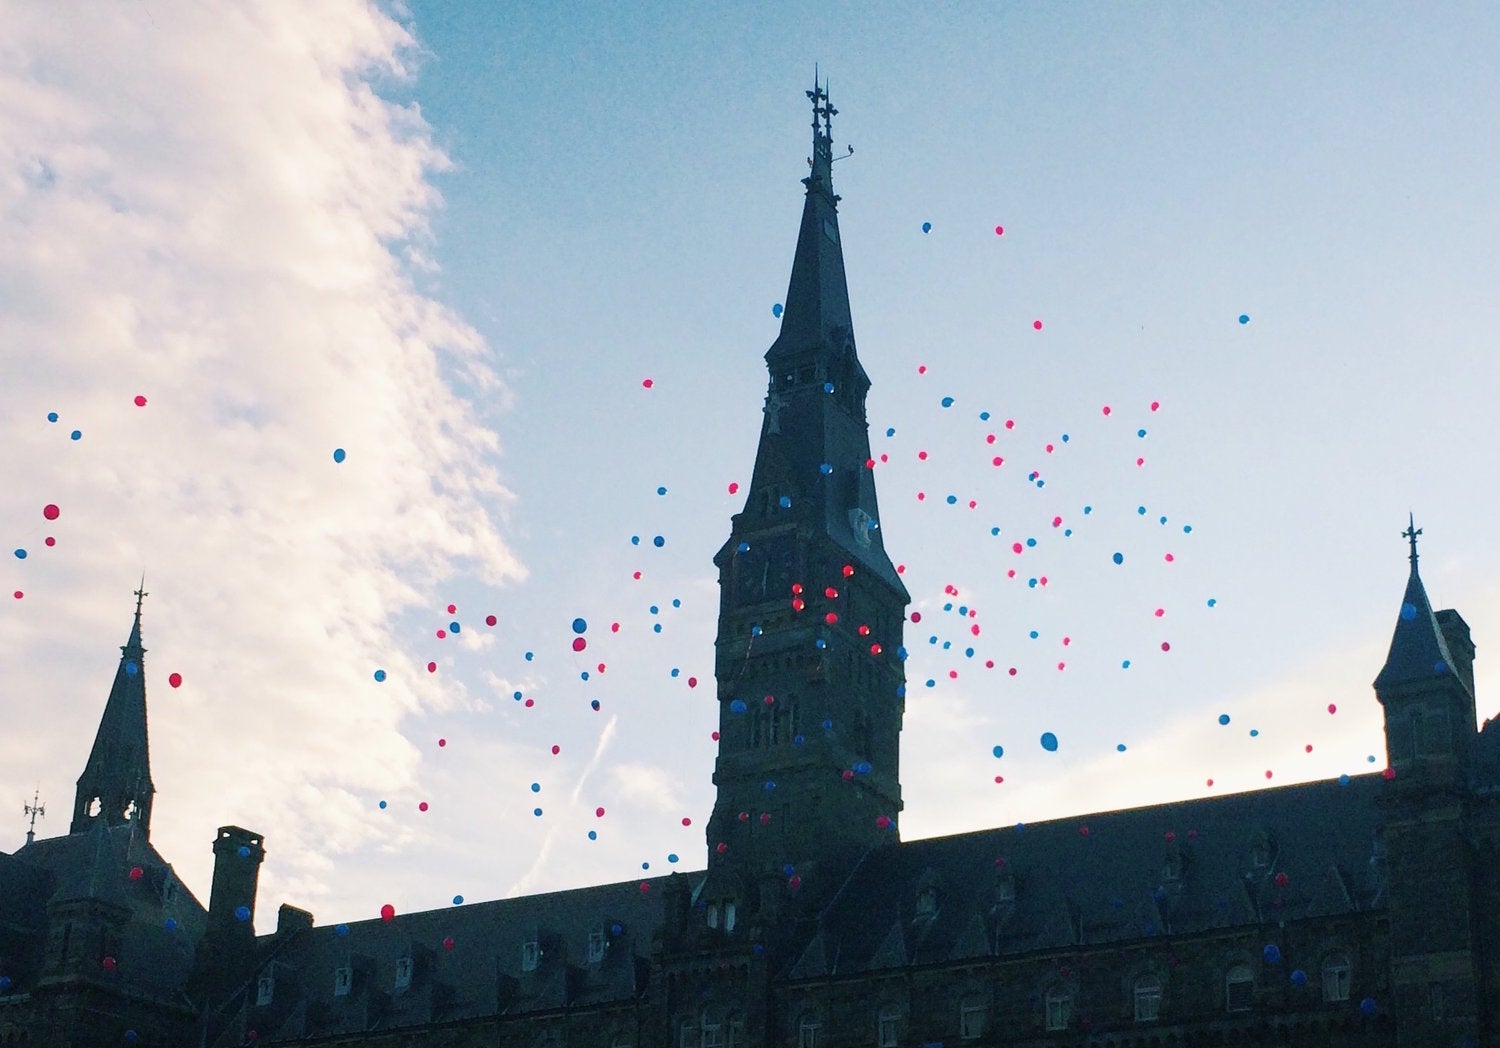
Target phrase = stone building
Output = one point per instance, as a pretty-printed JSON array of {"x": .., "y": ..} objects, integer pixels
[{"x": 1358, "y": 912}]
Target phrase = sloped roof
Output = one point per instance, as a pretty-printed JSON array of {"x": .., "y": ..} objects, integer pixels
[
  {"x": 480, "y": 974},
  {"x": 1419, "y": 652},
  {"x": 1109, "y": 884},
  {"x": 152, "y": 958}
]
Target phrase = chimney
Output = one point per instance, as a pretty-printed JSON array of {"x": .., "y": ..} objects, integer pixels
[
  {"x": 290, "y": 919},
  {"x": 226, "y": 953}
]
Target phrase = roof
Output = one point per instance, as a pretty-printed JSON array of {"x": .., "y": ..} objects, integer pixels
[
  {"x": 1419, "y": 652},
  {"x": 466, "y": 961},
  {"x": 1105, "y": 878},
  {"x": 153, "y": 957}
]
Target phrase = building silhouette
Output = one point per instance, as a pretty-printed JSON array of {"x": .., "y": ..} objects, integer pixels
[{"x": 1358, "y": 912}]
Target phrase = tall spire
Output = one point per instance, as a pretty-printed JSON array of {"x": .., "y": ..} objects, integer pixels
[
  {"x": 811, "y": 608},
  {"x": 816, "y": 313},
  {"x": 1419, "y": 651},
  {"x": 116, "y": 782}
]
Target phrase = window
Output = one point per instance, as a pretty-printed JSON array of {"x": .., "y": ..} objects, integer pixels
[
  {"x": 729, "y": 916},
  {"x": 403, "y": 972},
  {"x": 531, "y": 954},
  {"x": 265, "y": 986},
  {"x": 1171, "y": 867},
  {"x": 713, "y": 915},
  {"x": 1239, "y": 989},
  {"x": 971, "y": 1019},
  {"x": 1147, "y": 999},
  {"x": 1059, "y": 1009},
  {"x": 343, "y": 978},
  {"x": 927, "y": 902},
  {"x": 1005, "y": 889},
  {"x": 597, "y": 944},
  {"x": 885, "y": 1026},
  {"x": 810, "y": 1034},
  {"x": 687, "y": 1034},
  {"x": 1336, "y": 977},
  {"x": 712, "y": 1033}
]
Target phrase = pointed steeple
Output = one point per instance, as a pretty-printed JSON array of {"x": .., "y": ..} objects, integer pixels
[
  {"x": 811, "y": 608},
  {"x": 816, "y": 317},
  {"x": 1419, "y": 651},
  {"x": 115, "y": 786}
]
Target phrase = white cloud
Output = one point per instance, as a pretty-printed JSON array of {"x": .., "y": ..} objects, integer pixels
[{"x": 209, "y": 208}]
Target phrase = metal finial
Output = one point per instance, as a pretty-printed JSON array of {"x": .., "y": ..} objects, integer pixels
[
  {"x": 1410, "y": 534},
  {"x": 36, "y": 810}
]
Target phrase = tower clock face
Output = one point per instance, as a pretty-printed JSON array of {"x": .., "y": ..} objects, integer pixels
[{"x": 764, "y": 571}]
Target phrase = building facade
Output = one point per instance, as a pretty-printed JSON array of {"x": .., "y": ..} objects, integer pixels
[{"x": 1358, "y": 912}]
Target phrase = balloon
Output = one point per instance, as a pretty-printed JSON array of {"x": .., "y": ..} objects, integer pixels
[
  {"x": 242, "y": 913},
  {"x": 927, "y": 227},
  {"x": 1049, "y": 742},
  {"x": 50, "y": 511},
  {"x": 580, "y": 626},
  {"x": 175, "y": 680},
  {"x": 338, "y": 455},
  {"x": 388, "y": 912}
]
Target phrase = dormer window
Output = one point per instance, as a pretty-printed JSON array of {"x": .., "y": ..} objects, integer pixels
[
  {"x": 343, "y": 978},
  {"x": 729, "y": 915},
  {"x": 927, "y": 902},
  {"x": 1336, "y": 977},
  {"x": 531, "y": 955},
  {"x": 1171, "y": 867},
  {"x": 1239, "y": 989},
  {"x": 1260, "y": 852},
  {"x": 265, "y": 988},
  {"x": 403, "y": 972},
  {"x": 1005, "y": 889},
  {"x": 713, "y": 915},
  {"x": 597, "y": 944}
]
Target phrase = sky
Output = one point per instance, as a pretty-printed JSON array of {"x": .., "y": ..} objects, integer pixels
[{"x": 360, "y": 313}]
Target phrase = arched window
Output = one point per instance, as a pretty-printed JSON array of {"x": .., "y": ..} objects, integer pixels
[
  {"x": 1239, "y": 989},
  {"x": 1147, "y": 999},
  {"x": 1059, "y": 1009},
  {"x": 1336, "y": 977}
]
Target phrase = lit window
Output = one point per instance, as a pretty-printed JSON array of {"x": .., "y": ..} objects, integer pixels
[
  {"x": 264, "y": 988},
  {"x": 596, "y": 947},
  {"x": 971, "y": 1020},
  {"x": 713, "y": 915},
  {"x": 1239, "y": 989},
  {"x": 1147, "y": 999},
  {"x": 810, "y": 1034},
  {"x": 403, "y": 972},
  {"x": 1059, "y": 1009},
  {"x": 531, "y": 953},
  {"x": 729, "y": 916},
  {"x": 1336, "y": 977},
  {"x": 343, "y": 978},
  {"x": 885, "y": 1027}
]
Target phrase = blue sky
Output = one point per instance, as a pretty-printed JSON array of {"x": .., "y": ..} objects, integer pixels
[{"x": 455, "y": 241}]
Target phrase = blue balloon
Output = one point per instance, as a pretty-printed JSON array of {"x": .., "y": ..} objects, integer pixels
[
  {"x": 338, "y": 454},
  {"x": 341, "y": 929},
  {"x": 242, "y": 913},
  {"x": 671, "y": 856},
  {"x": 458, "y": 900},
  {"x": 776, "y": 310},
  {"x": 1223, "y": 718},
  {"x": 20, "y": 554},
  {"x": 658, "y": 542},
  {"x": 51, "y": 416},
  {"x": 1244, "y": 318},
  {"x": 382, "y": 805},
  {"x": 244, "y": 852},
  {"x": 579, "y": 626},
  {"x": 1049, "y": 742},
  {"x": 927, "y": 227},
  {"x": 593, "y": 835},
  {"x": 999, "y": 751},
  {"x": 1120, "y": 747},
  {"x": 1119, "y": 558},
  {"x": 1271, "y": 953},
  {"x": 1408, "y": 611},
  {"x": 738, "y": 706},
  {"x": 1367, "y": 1006},
  {"x": 380, "y": 675},
  {"x": 536, "y": 787},
  {"x": 1299, "y": 978}
]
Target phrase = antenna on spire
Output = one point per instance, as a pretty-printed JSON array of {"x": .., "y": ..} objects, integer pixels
[
  {"x": 36, "y": 810},
  {"x": 1410, "y": 534}
]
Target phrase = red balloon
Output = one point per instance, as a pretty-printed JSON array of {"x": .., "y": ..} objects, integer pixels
[
  {"x": 579, "y": 644},
  {"x": 50, "y": 511},
  {"x": 388, "y": 912},
  {"x": 175, "y": 680}
]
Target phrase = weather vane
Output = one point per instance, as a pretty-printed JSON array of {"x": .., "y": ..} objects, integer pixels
[
  {"x": 1410, "y": 534},
  {"x": 35, "y": 810}
]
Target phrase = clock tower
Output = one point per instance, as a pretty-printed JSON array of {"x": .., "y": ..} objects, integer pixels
[{"x": 808, "y": 655}]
